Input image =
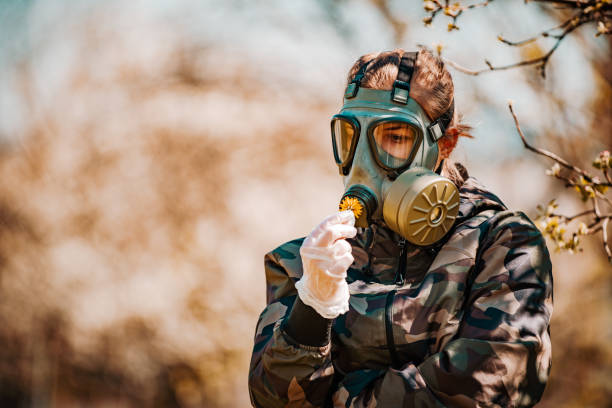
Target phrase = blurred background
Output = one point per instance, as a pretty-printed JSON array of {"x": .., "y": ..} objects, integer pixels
[{"x": 151, "y": 153}]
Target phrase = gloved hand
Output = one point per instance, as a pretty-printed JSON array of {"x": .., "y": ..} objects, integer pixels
[{"x": 326, "y": 255}]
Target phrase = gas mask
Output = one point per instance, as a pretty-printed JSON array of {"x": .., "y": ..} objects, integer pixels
[{"x": 386, "y": 149}]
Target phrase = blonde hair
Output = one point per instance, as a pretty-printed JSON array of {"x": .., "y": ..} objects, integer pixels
[{"x": 431, "y": 87}]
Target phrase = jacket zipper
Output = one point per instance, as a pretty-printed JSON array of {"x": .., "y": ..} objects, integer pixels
[
  {"x": 399, "y": 280},
  {"x": 399, "y": 274},
  {"x": 389, "y": 329}
]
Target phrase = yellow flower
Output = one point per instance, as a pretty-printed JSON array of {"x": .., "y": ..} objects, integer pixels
[
  {"x": 552, "y": 223},
  {"x": 585, "y": 188},
  {"x": 353, "y": 204}
]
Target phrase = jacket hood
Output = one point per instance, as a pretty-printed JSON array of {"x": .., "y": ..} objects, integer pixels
[{"x": 474, "y": 198}]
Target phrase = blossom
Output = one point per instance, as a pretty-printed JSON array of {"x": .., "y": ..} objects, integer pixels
[{"x": 554, "y": 170}]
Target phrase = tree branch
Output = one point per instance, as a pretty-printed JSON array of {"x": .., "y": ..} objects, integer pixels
[
  {"x": 543, "y": 152},
  {"x": 545, "y": 33},
  {"x": 571, "y": 3},
  {"x": 588, "y": 11},
  {"x": 570, "y": 218}
]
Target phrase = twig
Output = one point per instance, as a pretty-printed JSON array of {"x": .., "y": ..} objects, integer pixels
[
  {"x": 544, "y": 33},
  {"x": 568, "y": 181},
  {"x": 604, "y": 232},
  {"x": 596, "y": 209},
  {"x": 570, "y": 218},
  {"x": 498, "y": 68},
  {"x": 573, "y": 3},
  {"x": 593, "y": 224},
  {"x": 543, "y": 60},
  {"x": 482, "y": 4},
  {"x": 543, "y": 152},
  {"x": 594, "y": 230},
  {"x": 607, "y": 176},
  {"x": 464, "y": 69},
  {"x": 603, "y": 197}
]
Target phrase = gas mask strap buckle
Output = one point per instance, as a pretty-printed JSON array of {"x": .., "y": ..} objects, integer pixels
[
  {"x": 401, "y": 87},
  {"x": 353, "y": 86},
  {"x": 437, "y": 128}
]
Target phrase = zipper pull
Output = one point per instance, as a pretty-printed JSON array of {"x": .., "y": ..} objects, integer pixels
[
  {"x": 399, "y": 274},
  {"x": 402, "y": 245}
]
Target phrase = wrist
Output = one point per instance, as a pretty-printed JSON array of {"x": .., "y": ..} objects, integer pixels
[{"x": 306, "y": 326}]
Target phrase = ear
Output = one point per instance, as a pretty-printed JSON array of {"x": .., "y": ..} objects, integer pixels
[{"x": 447, "y": 143}]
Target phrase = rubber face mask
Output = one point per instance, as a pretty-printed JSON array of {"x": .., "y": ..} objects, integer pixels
[{"x": 385, "y": 146}]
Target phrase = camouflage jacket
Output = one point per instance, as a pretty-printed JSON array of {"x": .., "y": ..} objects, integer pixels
[{"x": 463, "y": 324}]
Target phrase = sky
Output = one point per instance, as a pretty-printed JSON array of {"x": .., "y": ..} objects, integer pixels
[{"x": 312, "y": 43}]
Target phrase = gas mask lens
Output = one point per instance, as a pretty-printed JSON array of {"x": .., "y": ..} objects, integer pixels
[
  {"x": 344, "y": 133},
  {"x": 393, "y": 142}
]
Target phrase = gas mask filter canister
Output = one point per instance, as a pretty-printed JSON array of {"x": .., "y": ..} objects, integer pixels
[
  {"x": 421, "y": 206},
  {"x": 386, "y": 147}
]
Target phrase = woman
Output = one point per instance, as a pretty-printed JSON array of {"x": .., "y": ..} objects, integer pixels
[{"x": 454, "y": 313}]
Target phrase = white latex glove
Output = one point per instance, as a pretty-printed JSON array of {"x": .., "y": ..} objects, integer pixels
[{"x": 326, "y": 256}]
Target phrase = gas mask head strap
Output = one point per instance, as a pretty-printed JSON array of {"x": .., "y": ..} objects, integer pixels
[
  {"x": 401, "y": 87},
  {"x": 353, "y": 86},
  {"x": 401, "y": 92}
]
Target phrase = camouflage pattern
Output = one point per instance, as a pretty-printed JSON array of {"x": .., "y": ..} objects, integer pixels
[{"x": 468, "y": 327}]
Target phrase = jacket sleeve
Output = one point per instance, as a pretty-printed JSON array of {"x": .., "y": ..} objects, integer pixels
[
  {"x": 501, "y": 354},
  {"x": 284, "y": 372}
]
